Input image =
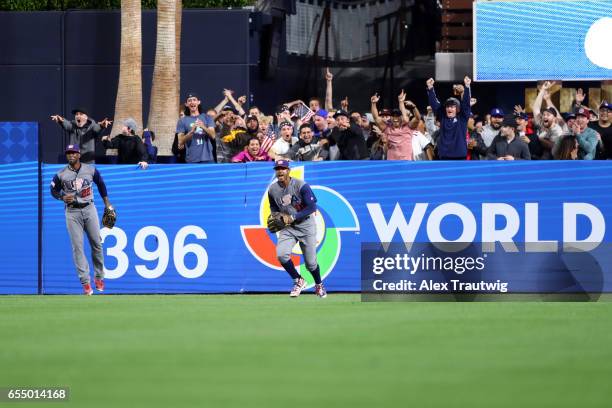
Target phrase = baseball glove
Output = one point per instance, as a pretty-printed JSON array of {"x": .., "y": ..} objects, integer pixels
[
  {"x": 109, "y": 218},
  {"x": 278, "y": 221}
]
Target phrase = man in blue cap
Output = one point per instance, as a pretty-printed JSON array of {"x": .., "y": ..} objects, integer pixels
[
  {"x": 297, "y": 204},
  {"x": 492, "y": 129},
  {"x": 320, "y": 126}
]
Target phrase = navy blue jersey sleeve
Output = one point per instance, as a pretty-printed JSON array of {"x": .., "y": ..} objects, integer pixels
[
  {"x": 310, "y": 202},
  {"x": 435, "y": 104},
  {"x": 273, "y": 206},
  {"x": 56, "y": 187},
  {"x": 97, "y": 178},
  {"x": 141, "y": 149},
  {"x": 466, "y": 109}
]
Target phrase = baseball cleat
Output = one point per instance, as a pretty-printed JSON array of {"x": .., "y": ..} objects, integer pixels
[
  {"x": 300, "y": 284},
  {"x": 320, "y": 291},
  {"x": 87, "y": 290},
  {"x": 99, "y": 285}
]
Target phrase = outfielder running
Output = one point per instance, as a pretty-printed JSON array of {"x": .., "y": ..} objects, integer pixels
[
  {"x": 74, "y": 186},
  {"x": 293, "y": 204}
]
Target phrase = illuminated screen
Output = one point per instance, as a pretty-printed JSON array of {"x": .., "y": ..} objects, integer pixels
[{"x": 533, "y": 40}]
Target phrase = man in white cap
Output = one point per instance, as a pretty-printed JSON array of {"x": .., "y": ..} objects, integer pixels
[{"x": 282, "y": 146}]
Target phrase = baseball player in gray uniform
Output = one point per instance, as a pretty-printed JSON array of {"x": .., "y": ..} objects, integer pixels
[
  {"x": 74, "y": 186},
  {"x": 296, "y": 201}
]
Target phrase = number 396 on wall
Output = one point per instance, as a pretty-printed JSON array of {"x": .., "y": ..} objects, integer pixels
[{"x": 161, "y": 253}]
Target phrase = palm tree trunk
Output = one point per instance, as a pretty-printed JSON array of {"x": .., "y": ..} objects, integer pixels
[
  {"x": 179, "y": 20},
  {"x": 129, "y": 91},
  {"x": 164, "y": 93},
  {"x": 606, "y": 86}
]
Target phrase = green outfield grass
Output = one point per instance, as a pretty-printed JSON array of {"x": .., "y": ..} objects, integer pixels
[{"x": 272, "y": 351}]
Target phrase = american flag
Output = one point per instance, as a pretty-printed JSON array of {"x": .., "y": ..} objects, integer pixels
[
  {"x": 268, "y": 139},
  {"x": 303, "y": 112}
]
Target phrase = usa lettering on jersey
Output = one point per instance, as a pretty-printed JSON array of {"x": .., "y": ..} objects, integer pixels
[{"x": 81, "y": 186}]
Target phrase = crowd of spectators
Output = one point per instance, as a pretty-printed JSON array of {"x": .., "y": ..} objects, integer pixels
[{"x": 316, "y": 131}]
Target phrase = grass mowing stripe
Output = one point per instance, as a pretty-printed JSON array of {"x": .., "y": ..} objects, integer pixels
[{"x": 272, "y": 351}]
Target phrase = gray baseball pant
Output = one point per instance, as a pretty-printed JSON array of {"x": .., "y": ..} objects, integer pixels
[
  {"x": 77, "y": 221},
  {"x": 306, "y": 235}
]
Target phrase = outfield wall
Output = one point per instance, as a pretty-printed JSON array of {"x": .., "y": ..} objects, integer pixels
[
  {"x": 19, "y": 207},
  {"x": 199, "y": 228}
]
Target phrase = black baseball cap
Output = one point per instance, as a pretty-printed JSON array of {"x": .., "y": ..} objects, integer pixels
[
  {"x": 80, "y": 109},
  {"x": 522, "y": 115},
  {"x": 230, "y": 108},
  {"x": 510, "y": 121},
  {"x": 192, "y": 95},
  {"x": 569, "y": 116},
  {"x": 341, "y": 112}
]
